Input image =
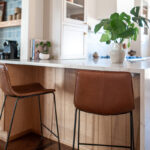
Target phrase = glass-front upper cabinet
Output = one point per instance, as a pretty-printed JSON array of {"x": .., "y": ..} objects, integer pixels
[{"x": 75, "y": 11}]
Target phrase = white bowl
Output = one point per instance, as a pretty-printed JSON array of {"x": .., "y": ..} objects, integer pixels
[{"x": 44, "y": 56}]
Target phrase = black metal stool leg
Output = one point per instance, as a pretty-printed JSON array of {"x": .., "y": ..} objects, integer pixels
[
  {"x": 74, "y": 132},
  {"x": 40, "y": 116},
  {"x": 132, "y": 131},
  {"x": 3, "y": 107},
  {"x": 131, "y": 136},
  {"x": 12, "y": 119},
  {"x": 79, "y": 130},
  {"x": 59, "y": 147}
]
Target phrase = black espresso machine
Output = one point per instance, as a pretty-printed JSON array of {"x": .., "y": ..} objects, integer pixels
[{"x": 10, "y": 50}]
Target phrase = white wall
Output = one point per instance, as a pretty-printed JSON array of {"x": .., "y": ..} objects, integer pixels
[
  {"x": 105, "y": 8},
  {"x": 91, "y": 8},
  {"x": 32, "y": 25},
  {"x": 125, "y": 5}
]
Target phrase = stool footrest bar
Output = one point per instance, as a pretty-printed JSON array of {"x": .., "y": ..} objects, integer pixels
[
  {"x": 117, "y": 146},
  {"x": 49, "y": 130}
]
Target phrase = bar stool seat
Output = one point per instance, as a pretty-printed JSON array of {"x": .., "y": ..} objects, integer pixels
[
  {"x": 21, "y": 92},
  {"x": 30, "y": 89}
]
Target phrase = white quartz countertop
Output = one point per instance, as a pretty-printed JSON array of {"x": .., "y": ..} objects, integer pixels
[{"x": 100, "y": 64}]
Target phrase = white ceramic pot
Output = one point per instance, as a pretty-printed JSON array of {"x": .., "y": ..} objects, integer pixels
[
  {"x": 44, "y": 56},
  {"x": 117, "y": 54}
]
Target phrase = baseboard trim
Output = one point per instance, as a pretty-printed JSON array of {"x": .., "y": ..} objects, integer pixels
[
  {"x": 14, "y": 137},
  {"x": 3, "y": 135}
]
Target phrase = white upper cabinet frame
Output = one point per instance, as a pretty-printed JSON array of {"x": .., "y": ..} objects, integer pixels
[
  {"x": 77, "y": 7},
  {"x": 31, "y": 26}
]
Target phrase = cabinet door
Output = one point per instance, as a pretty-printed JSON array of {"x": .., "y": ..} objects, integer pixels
[
  {"x": 75, "y": 11},
  {"x": 73, "y": 42}
]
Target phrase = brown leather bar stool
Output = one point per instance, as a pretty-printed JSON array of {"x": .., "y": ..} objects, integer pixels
[
  {"x": 21, "y": 92},
  {"x": 104, "y": 93}
]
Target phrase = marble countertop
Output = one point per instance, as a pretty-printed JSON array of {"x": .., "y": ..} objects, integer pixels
[{"x": 100, "y": 64}]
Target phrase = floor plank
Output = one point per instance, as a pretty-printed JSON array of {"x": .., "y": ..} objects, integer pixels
[{"x": 33, "y": 142}]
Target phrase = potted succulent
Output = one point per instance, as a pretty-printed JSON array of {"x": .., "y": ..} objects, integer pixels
[
  {"x": 44, "y": 53},
  {"x": 120, "y": 28}
]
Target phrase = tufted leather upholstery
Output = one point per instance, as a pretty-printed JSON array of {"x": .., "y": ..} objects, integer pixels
[{"x": 104, "y": 93}]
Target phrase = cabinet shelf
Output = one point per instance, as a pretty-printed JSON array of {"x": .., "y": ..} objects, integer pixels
[
  {"x": 13, "y": 23},
  {"x": 72, "y": 5}
]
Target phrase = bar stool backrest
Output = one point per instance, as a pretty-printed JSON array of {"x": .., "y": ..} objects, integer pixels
[
  {"x": 5, "y": 83},
  {"x": 104, "y": 93}
]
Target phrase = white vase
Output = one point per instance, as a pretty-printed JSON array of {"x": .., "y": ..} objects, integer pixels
[
  {"x": 117, "y": 54},
  {"x": 44, "y": 56}
]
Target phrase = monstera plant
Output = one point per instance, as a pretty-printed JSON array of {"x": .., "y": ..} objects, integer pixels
[{"x": 120, "y": 28}]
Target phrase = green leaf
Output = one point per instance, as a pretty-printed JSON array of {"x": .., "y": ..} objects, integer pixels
[
  {"x": 135, "y": 34},
  {"x": 135, "y": 11},
  {"x": 107, "y": 26},
  {"x": 37, "y": 45},
  {"x": 100, "y": 25},
  {"x": 48, "y": 44},
  {"x": 114, "y": 35},
  {"x": 41, "y": 43},
  {"x": 108, "y": 42},
  {"x": 114, "y": 16},
  {"x": 132, "y": 25},
  {"x": 145, "y": 21},
  {"x": 128, "y": 33},
  {"x": 121, "y": 41},
  {"x": 140, "y": 22},
  {"x": 118, "y": 26},
  {"x": 135, "y": 19},
  {"x": 129, "y": 44},
  {"x": 106, "y": 37},
  {"x": 124, "y": 16}
]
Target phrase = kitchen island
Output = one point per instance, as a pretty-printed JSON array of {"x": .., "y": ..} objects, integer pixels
[{"x": 61, "y": 75}]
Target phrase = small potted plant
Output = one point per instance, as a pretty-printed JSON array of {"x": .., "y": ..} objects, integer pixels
[
  {"x": 44, "y": 53},
  {"x": 120, "y": 28}
]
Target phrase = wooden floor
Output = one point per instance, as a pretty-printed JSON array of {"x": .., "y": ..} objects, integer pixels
[{"x": 33, "y": 142}]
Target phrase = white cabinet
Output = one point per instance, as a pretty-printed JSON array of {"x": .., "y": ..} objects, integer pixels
[
  {"x": 74, "y": 29},
  {"x": 66, "y": 27},
  {"x": 73, "y": 42}
]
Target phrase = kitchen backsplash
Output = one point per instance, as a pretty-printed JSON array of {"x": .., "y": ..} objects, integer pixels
[
  {"x": 12, "y": 33},
  {"x": 94, "y": 45}
]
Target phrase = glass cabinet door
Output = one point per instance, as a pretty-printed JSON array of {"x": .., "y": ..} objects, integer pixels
[{"x": 75, "y": 10}]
